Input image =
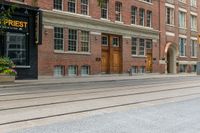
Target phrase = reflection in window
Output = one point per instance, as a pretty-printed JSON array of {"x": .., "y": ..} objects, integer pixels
[{"x": 16, "y": 48}]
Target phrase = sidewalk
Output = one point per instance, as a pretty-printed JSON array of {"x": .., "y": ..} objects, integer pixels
[{"x": 92, "y": 78}]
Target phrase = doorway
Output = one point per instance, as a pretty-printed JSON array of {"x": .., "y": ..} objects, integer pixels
[
  {"x": 111, "y": 61},
  {"x": 171, "y": 60}
]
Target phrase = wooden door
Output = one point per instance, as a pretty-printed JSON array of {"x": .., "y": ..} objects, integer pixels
[
  {"x": 116, "y": 62},
  {"x": 105, "y": 62},
  {"x": 149, "y": 62}
]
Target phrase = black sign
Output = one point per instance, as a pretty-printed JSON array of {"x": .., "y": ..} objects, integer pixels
[{"x": 14, "y": 23}]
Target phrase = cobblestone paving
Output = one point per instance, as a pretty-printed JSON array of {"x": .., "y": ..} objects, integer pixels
[{"x": 180, "y": 117}]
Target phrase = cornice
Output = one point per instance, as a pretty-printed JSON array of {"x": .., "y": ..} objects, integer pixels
[{"x": 86, "y": 22}]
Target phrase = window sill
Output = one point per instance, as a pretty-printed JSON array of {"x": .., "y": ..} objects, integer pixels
[
  {"x": 73, "y": 52},
  {"x": 183, "y": 56},
  {"x": 23, "y": 66},
  {"x": 193, "y": 57},
  {"x": 104, "y": 19},
  {"x": 139, "y": 56},
  {"x": 171, "y": 25},
  {"x": 183, "y": 28},
  {"x": 149, "y": 3},
  {"x": 119, "y": 22},
  {"x": 71, "y": 13}
]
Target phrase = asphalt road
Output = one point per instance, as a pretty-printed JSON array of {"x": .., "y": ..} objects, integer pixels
[
  {"x": 179, "y": 117},
  {"x": 108, "y": 106}
]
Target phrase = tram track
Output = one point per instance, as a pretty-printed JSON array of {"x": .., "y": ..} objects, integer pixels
[
  {"x": 75, "y": 89},
  {"x": 97, "y": 98},
  {"x": 94, "y": 109}
]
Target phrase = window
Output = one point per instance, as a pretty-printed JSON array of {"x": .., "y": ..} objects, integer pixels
[
  {"x": 149, "y": 18},
  {"x": 72, "y": 70},
  {"x": 115, "y": 42},
  {"x": 104, "y": 9},
  {"x": 182, "y": 68},
  {"x": 134, "y": 46},
  {"x": 134, "y": 69},
  {"x": 193, "y": 3},
  {"x": 193, "y": 48},
  {"x": 183, "y": 1},
  {"x": 84, "y": 7},
  {"x": 182, "y": 44},
  {"x": 85, "y": 70},
  {"x": 194, "y": 68},
  {"x": 72, "y": 42},
  {"x": 141, "y": 47},
  {"x": 150, "y": 1},
  {"x": 84, "y": 41},
  {"x": 118, "y": 14},
  {"x": 193, "y": 21},
  {"x": 104, "y": 40},
  {"x": 58, "y": 38},
  {"x": 59, "y": 71},
  {"x": 149, "y": 44},
  {"x": 141, "y": 14},
  {"x": 134, "y": 15},
  {"x": 169, "y": 16},
  {"x": 182, "y": 19},
  {"x": 72, "y": 6},
  {"x": 17, "y": 48},
  {"x": 142, "y": 69},
  {"x": 58, "y": 4}
]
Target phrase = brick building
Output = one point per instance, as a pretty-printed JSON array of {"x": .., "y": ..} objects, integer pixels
[
  {"x": 179, "y": 49},
  {"x": 18, "y": 33},
  {"x": 82, "y": 38}
]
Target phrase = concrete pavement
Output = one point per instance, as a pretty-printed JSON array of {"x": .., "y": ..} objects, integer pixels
[
  {"x": 180, "y": 117},
  {"x": 92, "y": 78}
]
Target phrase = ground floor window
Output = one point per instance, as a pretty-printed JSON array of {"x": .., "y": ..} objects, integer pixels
[
  {"x": 194, "y": 68},
  {"x": 182, "y": 68},
  {"x": 85, "y": 70},
  {"x": 134, "y": 69},
  {"x": 72, "y": 70},
  {"x": 142, "y": 69},
  {"x": 59, "y": 71},
  {"x": 16, "y": 48}
]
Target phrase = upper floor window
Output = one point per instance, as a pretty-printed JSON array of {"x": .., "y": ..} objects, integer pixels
[
  {"x": 141, "y": 47},
  {"x": 182, "y": 19},
  {"x": 193, "y": 48},
  {"x": 72, "y": 40},
  {"x": 58, "y": 4},
  {"x": 150, "y": 1},
  {"x": 134, "y": 46},
  {"x": 84, "y": 7},
  {"x": 182, "y": 45},
  {"x": 72, "y": 6},
  {"x": 84, "y": 41},
  {"x": 149, "y": 18},
  {"x": 104, "y": 9},
  {"x": 193, "y": 3},
  {"x": 183, "y": 1},
  {"x": 58, "y": 38},
  {"x": 141, "y": 15},
  {"x": 193, "y": 21},
  {"x": 169, "y": 16},
  {"x": 134, "y": 15},
  {"x": 118, "y": 9}
]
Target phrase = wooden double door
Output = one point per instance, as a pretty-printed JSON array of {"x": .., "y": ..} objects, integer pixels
[{"x": 111, "y": 60}]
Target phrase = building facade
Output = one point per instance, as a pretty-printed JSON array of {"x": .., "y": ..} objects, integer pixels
[
  {"x": 179, "y": 49},
  {"x": 83, "y": 38},
  {"x": 18, "y": 38}
]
